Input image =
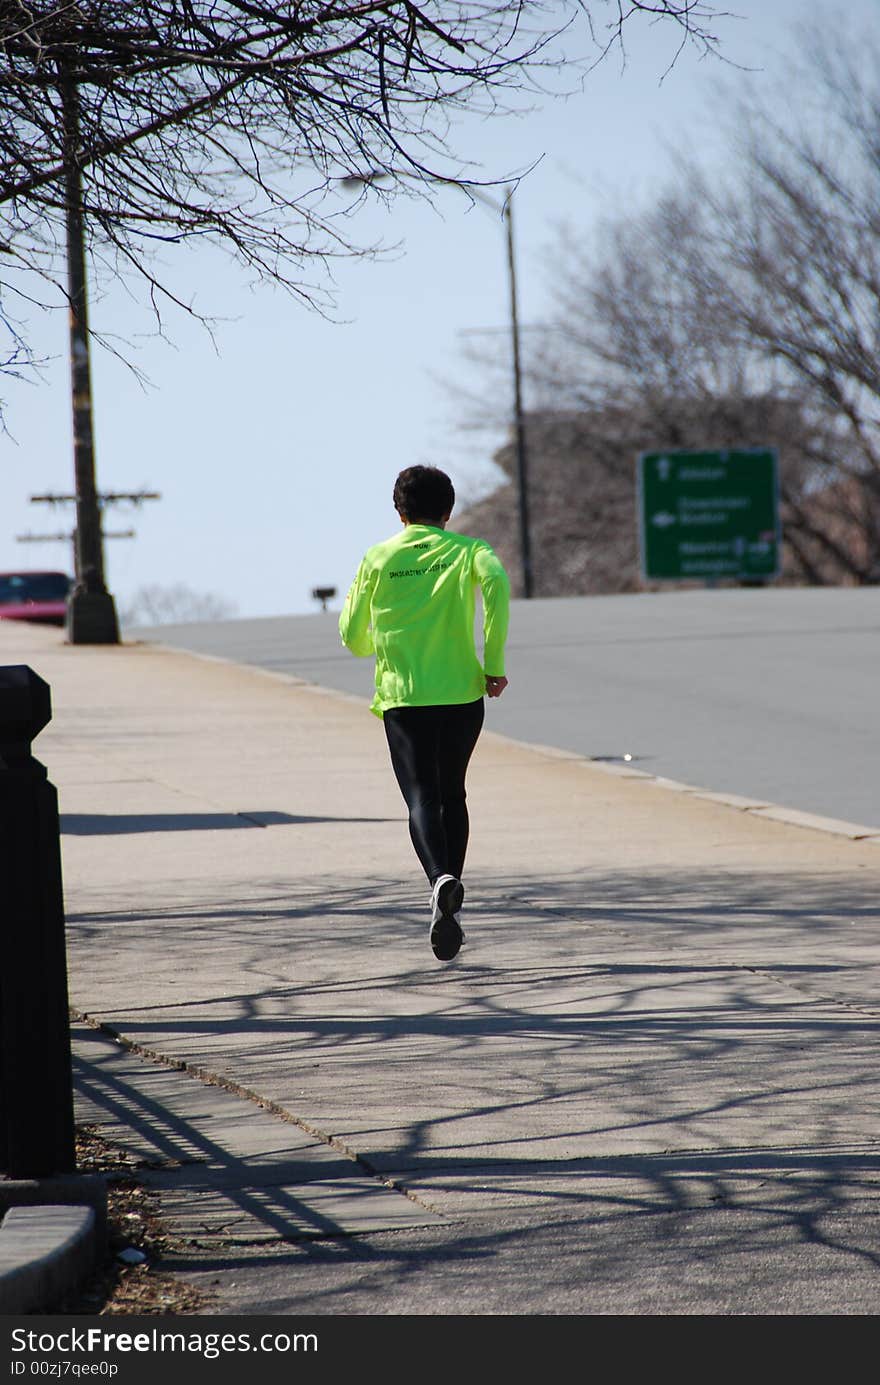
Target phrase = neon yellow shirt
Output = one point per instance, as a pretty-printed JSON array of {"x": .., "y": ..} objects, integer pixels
[{"x": 412, "y": 604}]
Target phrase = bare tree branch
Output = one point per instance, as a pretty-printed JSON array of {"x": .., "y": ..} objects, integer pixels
[
  {"x": 733, "y": 307},
  {"x": 240, "y": 121}
]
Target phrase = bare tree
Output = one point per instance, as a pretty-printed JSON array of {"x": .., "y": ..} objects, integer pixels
[
  {"x": 125, "y": 124},
  {"x": 190, "y": 119},
  {"x": 801, "y": 244},
  {"x": 155, "y": 604},
  {"x": 752, "y": 304}
]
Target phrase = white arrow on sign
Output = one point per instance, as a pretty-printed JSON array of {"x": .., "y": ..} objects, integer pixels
[{"x": 663, "y": 519}]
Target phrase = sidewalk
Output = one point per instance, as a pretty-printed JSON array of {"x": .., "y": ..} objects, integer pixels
[{"x": 648, "y": 1085}]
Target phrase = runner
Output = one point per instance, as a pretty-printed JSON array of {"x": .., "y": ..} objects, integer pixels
[{"x": 412, "y": 605}]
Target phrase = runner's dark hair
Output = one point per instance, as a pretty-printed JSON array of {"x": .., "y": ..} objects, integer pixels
[{"x": 423, "y": 493}]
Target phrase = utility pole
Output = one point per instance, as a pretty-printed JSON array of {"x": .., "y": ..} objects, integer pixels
[
  {"x": 91, "y": 611},
  {"x": 102, "y": 498}
]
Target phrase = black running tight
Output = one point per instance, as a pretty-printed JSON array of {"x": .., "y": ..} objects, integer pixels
[{"x": 430, "y": 749}]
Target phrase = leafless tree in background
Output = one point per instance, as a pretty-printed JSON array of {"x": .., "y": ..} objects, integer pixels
[
  {"x": 754, "y": 304},
  {"x": 155, "y": 604},
  {"x": 804, "y": 244}
]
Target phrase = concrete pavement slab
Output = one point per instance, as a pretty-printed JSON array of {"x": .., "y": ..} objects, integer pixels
[
  {"x": 224, "y": 1164},
  {"x": 666, "y": 1009},
  {"x": 611, "y": 1252}
]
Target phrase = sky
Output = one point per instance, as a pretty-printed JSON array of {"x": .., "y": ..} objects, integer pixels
[{"x": 275, "y": 444}]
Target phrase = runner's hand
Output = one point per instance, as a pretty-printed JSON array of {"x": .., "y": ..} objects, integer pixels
[{"x": 495, "y": 686}]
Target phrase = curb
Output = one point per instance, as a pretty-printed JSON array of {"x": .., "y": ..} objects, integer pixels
[
  {"x": 46, "y": 1251},
  {"x": 761, "y": 808},
  {"x": 52, "y": 1235},
  {"x": 756, "y": 807}
]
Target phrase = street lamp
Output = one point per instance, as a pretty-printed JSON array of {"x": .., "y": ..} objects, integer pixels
[
  {"x": 505, "y": 210},
  {"x": 525, "y": 545}
]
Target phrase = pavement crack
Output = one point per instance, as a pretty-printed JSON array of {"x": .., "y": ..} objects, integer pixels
[
  {"x": 214, "y": 1079},
  {"x": 820, "y": 997}
]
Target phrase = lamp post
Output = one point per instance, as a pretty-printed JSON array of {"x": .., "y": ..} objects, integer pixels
[{"x": 505, "y": 210}]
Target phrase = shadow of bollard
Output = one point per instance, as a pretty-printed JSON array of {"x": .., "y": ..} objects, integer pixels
[{"x": 36, "y": 1090}]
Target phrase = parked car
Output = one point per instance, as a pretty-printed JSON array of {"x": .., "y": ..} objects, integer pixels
[{"x": 36, "y": 596}]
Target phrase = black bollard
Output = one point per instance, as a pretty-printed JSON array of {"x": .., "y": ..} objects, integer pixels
[{"x": 36, "y": 1088}]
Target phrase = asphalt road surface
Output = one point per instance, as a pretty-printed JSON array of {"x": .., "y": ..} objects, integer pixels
[{"x": 770, "y": 693}]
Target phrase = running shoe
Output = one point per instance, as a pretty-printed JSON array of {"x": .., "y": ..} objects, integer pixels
[
  {"x": 447, "y": 897},
  {"x": 446, "y": 934},
  {"x": 447, "y": 937}
]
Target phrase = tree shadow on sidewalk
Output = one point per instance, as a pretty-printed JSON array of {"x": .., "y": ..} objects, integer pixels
[
  {"x": 610, "y": 1051},
  {"x": 796, "y": 1235}
]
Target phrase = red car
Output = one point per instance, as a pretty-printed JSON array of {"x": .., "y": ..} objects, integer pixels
[{"x": 37, "y": 596}]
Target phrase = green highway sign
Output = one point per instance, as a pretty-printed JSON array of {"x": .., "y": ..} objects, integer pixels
[{"x": 707, "y": 515}]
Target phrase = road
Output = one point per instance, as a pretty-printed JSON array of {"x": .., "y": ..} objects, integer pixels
[{"x": 771, "y": 694}]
